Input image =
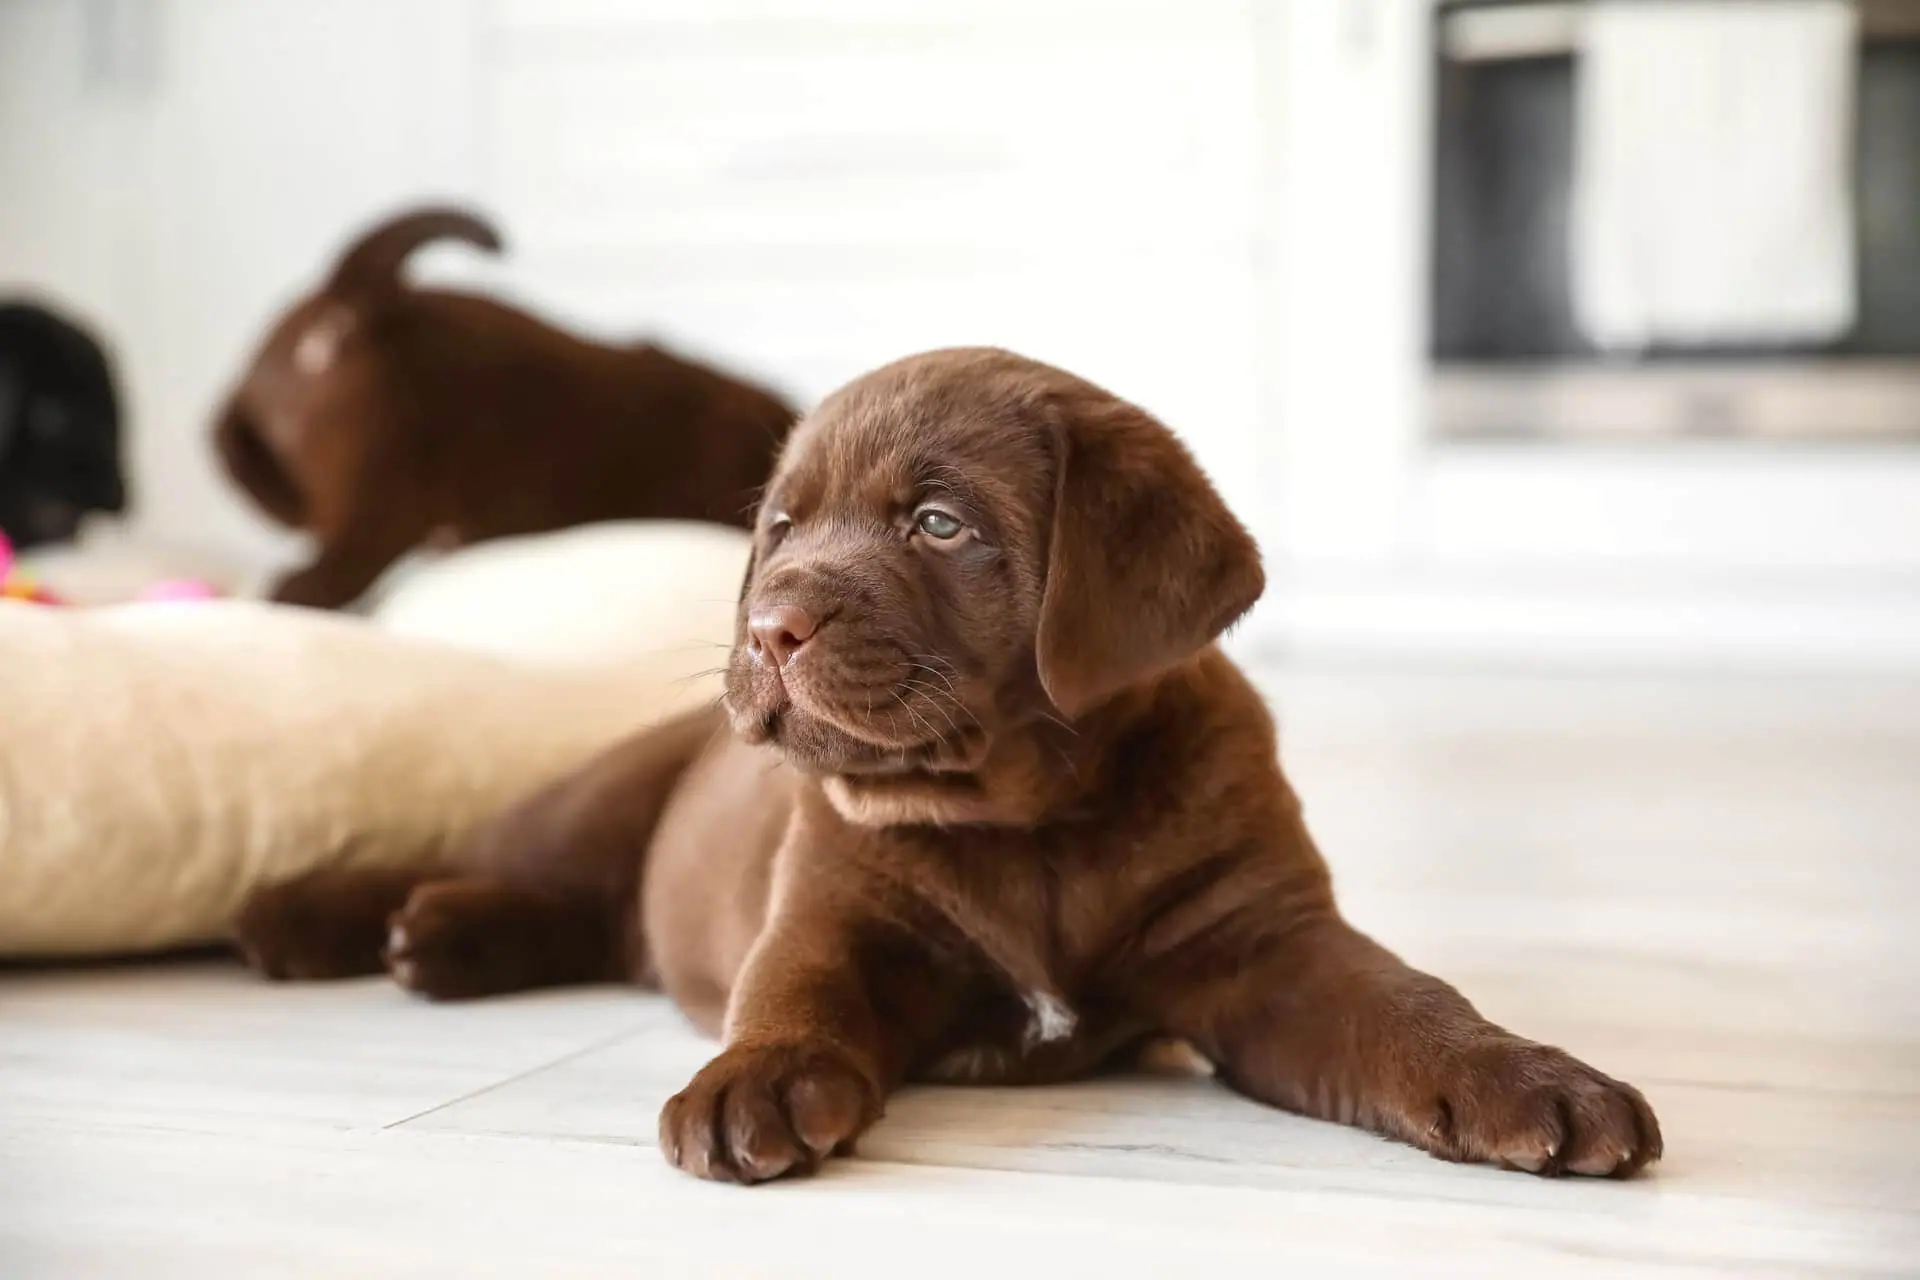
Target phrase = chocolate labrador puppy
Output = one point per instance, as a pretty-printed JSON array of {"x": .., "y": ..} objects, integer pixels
[
  {"x": 994, "y": 808},
  {"x": 378, "y": 416}
]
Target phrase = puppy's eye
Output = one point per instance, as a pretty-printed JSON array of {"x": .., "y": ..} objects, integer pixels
[
  {"x": 778, "y": 527},
  {"x": 936, "y": 523}
]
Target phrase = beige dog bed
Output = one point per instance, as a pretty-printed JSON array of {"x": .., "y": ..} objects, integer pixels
[
  {"x": 159, "y": 761},
  {"x": 660, "y": 590}
]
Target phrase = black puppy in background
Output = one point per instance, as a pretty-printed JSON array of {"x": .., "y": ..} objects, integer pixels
[{"x": 59, "y": 426}]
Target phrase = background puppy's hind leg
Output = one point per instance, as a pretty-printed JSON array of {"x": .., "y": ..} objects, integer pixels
[
  {"x": 364, "y": 513},
  {"x": 341, "y": 573},
  {"x": 328, "y": 923}
]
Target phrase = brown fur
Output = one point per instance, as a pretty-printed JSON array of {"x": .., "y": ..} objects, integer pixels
[
  {"x": 378, "y": 416},
  {"x": 994, "y": 808}
]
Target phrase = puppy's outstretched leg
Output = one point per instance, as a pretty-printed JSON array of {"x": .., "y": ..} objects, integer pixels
[
  {"x": 1303, "y": 1011},
  {"x": 446, "y": 937}
]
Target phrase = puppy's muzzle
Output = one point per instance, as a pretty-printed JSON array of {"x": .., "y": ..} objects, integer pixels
[{"x": 777, "y": 633}]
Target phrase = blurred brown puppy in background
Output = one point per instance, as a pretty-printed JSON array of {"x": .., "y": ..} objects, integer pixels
[
  {"x": 378, "y": 417},
  {"x": 994, "y": 808}
]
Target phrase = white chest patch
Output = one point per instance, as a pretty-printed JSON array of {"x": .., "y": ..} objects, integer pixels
[{"x": 1051, "y": 1019}]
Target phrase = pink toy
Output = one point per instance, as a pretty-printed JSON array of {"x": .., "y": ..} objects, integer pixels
[
  {"x": 176, "y": 589},
  {"x": 18, "y": 586},
  {"x": 15, "y": 585}
]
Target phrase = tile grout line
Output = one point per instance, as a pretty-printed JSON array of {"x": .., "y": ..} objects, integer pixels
[{"x": 602, "y": 1043}]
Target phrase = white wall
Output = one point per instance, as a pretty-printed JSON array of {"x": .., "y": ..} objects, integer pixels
[
  {"x": 812, "y": 189},
  {"x": 180, "y": 207},
  {"x": 804, "y": 190}
]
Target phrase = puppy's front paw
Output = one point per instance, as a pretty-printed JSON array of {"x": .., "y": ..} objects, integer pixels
[
  {"x": 760, "y": 1112},
  {"x": 1535, "y": 1108}
]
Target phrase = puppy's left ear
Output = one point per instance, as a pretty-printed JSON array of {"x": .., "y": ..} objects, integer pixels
[{"x": 1146, "y": 565}]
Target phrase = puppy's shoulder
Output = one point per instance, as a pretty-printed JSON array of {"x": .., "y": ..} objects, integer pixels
[
  {"x": 1210, "y": 708},
  {"x": 1205, "y": 745}
]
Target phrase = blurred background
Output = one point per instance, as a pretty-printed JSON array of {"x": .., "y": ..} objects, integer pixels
[
  {"x": 1564, "y": 357},
  {"x": 1511, "y": 341}
]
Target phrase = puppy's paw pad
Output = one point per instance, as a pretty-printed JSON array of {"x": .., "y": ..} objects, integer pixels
[
  {"x": 1533, "y": 1108},
  {"x": 757, "y": 1113}
]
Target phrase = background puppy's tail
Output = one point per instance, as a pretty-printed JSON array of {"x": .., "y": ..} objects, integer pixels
[{"x": 371, "y": 265}]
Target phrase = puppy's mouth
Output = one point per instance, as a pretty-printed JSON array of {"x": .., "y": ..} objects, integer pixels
[{"x": 887, "y": 729}]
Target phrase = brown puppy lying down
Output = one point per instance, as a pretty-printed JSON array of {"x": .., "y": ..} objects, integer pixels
[
  {"x": 378, "y": 416},
  {"x": 994, "y": 808}
]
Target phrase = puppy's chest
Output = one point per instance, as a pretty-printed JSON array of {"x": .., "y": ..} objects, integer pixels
[
  {"x": 1026, "y": 1037},
  {"x": 1047, "y": 996}
]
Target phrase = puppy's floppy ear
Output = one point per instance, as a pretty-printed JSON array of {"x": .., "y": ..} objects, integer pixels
[{"x": 1145, "y": 565}]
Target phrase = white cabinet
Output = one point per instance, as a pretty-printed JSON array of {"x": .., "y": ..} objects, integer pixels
[{"x": 1391, "y": 542}]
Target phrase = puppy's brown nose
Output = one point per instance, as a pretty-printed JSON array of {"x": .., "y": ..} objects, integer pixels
[{"x": 775, "y": 633}]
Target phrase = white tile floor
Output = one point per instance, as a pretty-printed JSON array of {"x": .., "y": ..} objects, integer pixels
[{"x": 1706, "y": 887}]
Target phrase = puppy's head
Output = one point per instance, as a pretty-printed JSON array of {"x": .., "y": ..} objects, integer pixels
[
  {"x": 318, "y": 373},
  {"x": 964, "y": 545},
  {"x": 59, "y": 426}
]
